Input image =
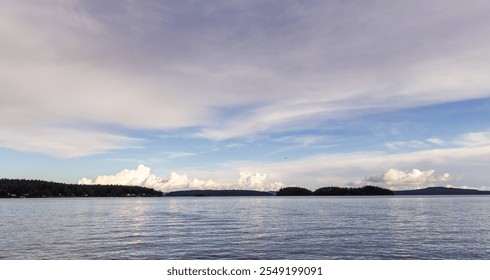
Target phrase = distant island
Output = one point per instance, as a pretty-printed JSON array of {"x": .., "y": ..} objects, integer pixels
[
  {"x": 441, "y": 191},
  {"x": 334, "y": 191},
  {"x": 219, "y": 193},
  {"x": 10, "y": 188}
]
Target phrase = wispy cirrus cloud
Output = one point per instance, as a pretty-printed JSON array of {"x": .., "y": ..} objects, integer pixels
[
  {"x": 173, "y": 155},
  {"x": 406, "y": 144},
  {"x": 436, "y": 141},
  {"x": 473, "y": 139},
  {"x": 64, "y": 143}
]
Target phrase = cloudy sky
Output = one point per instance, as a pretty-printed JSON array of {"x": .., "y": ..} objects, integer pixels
[{"x": 252, "y": 94}]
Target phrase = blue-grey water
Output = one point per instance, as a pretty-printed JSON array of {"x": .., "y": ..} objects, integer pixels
[{"x": 422, "y": 227}]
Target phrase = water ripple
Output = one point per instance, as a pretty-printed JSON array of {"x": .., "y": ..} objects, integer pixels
[{"x": 246, "y": 228}]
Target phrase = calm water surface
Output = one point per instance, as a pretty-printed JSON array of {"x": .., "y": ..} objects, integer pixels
[{"x": 443, "y": 227}]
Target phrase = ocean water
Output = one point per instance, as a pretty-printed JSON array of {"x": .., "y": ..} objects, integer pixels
[{"x": 415, "y": 227}]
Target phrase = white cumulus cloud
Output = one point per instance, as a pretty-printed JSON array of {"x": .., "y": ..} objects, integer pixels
[
  {"x": 395, "y": 178},
  {"x": 142, "y": 176},
  {"x": 125, "y": 177}
]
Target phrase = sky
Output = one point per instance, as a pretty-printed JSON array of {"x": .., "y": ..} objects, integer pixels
[{"x": 246, "y": 94}]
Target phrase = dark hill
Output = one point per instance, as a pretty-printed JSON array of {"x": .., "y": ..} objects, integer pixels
[
  {"x": 441, "y": 191},
  {"x": 218, "y": 193}
]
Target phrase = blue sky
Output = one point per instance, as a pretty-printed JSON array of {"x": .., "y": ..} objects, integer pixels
[{"x": 246, "y": 94}]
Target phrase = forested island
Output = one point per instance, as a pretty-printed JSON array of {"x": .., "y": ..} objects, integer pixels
[
  {"x": 10, "y": 188},
  {"x": 334, "y": 191}
]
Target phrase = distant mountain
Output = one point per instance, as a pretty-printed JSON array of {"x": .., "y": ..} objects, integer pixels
[
  {"x": 441, "y": 191},
  {"x": 219, "y": 193}
]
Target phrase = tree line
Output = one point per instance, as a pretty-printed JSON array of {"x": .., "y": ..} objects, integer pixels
[
  {"x": 39, "y": 188},
  {"x": 334, "y": 191}
]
